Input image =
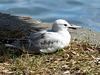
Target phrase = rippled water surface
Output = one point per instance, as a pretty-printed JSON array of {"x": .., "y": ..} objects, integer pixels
[{"x": 85, "y": 13}]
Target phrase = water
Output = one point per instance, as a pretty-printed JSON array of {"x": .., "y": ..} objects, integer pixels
[{"x": 85, "y": 13}]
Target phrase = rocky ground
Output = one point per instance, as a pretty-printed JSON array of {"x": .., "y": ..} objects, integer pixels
[{"x": 13, "y": 27}]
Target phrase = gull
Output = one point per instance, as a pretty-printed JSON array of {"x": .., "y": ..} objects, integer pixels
[{"x": 46, "y": 41}]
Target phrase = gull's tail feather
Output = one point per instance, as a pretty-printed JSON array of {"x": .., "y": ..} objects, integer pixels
[
  {"x": 9, "y": 45},
  {"x": 5, "y": 41}
]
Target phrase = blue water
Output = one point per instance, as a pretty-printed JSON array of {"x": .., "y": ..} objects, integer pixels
[{"x": 85, "y": 13}]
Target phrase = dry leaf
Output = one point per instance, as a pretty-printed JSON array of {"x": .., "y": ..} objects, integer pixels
[
  {"x": 66, "y": 72},
  {"x": 27, "y": 17}
]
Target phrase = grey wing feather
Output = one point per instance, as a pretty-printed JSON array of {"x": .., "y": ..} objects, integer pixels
[
  {"x": 30, "y": 42},
  {"x": 45, "y": 40},
  {"x": 36, "y": 36},
  {"x": 37, "y": 41}
]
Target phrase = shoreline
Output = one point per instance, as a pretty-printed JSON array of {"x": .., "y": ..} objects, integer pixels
[{"x": 13, "y": 27}]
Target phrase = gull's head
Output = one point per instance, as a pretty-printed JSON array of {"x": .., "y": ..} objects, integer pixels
[{"x": 60, "y": 25}]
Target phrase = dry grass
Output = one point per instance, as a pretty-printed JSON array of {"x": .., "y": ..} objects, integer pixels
[{"x": 79, "y": 58}]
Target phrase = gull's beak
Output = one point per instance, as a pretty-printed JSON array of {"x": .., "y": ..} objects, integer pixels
[{"x": 74, "y": 27}]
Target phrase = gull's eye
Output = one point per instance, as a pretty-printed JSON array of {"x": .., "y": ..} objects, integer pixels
[{"x": 65, "y": 24}]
